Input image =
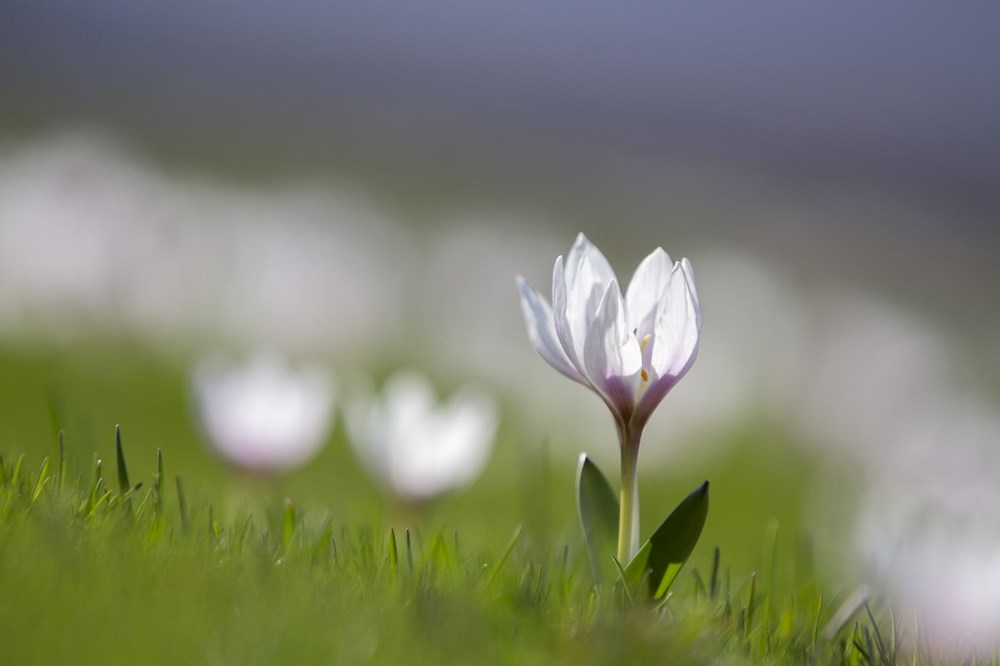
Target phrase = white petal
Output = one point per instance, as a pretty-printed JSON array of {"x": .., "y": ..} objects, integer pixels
[
  {"x": 612, "y": 356},
  {"x": 646, "y": 291},
  {"x": 678, "y": 320},
  {"x": 467, "y": 438},
  {"x": 264, "y": 414},
  {"x": 561, "y": 319},
  {"x": 584, "y": 300},
  {"x": 689, "y": 274},
  {"x": 425, "y": 449},
  {"x": 542, "y": 331},
  {"x": 601, "y": 268}
]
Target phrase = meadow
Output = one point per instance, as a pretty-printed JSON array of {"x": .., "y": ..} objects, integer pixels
[{"x": 163, "y": 555}]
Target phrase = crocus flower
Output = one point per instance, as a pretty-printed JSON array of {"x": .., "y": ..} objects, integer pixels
[
  {"x": 264, "y": 415},
  {"x": 630, "y": 350},
  {"x": 416, "y": 446}
]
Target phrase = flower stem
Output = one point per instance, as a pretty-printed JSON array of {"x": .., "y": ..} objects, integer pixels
[{"x": 628, "y": 517}]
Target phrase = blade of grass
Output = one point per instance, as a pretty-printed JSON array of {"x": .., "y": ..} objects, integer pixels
[
  {"x": 713, "y": 586},
  {"x": 883, "y": 651},
  {"x": 847, "y": 609},
  {"x": 123, "y": 484},
  {"x": 623, "y": 579},
  {"x": 393, "y": 555},
  {"x": 506, "y": 554},
  {"x": 15, "y": 476},
  {"x": 40, "y": 480},
  {"x": 751, "y": 603},
  {"x": 158, "y": 484}
]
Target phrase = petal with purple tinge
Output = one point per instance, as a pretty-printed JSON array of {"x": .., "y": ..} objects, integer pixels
[{"x": 611, "y": 355}]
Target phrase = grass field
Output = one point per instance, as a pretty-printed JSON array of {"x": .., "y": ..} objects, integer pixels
[{"x": 201, "y": 565}]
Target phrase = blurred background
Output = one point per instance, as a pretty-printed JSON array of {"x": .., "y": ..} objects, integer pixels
[{"x": 356, "y": 185}]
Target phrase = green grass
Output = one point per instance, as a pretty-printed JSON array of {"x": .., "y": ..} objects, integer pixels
[{"x": 112, "y": 555}]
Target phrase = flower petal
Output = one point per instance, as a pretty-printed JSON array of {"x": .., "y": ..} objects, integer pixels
[
  {"x": 646, "y": 291},
  {"x": 675, "y": 333},
  {"x": 583, "y": 296},
  {"x": 542, "y": 331},
  {"x": 675, "y": 342},
  {"x": 689, "y": 274},
  {"x": 601, "y": 271},
  {"x": 560, "y": 316},
  {"x": 612, "y": 356}
]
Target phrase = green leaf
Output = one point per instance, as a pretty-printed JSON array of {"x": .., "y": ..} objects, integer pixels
[
  {"x": 157, "y": 488},
  {"x": 40, "y": 480},
  {"x": 393, "y": 553},
  {"x": 663, "y": 556},
  {"x": 623, "y": 578},
  {"x": 123, "y": 484},
  {"x": 506, "y": 554},
  {"x": 597, "y": 507}
]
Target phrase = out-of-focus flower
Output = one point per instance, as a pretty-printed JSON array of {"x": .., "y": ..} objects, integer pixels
[
  {"x": 927, "y": 521},
  {"x": 417, "y": 446},
  {"x": 264, "y": 415},
  {"x": 630, "y": 350}
]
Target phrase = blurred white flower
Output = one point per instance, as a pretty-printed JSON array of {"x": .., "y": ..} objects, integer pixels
[
  {"x": 264, "y": 415},
  {"x": 417, "y": 446},
  {"x": 927, "y": 522}
]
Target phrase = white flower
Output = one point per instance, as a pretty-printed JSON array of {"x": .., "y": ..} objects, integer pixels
[
  {"x": 631, "y": 350},
  {"x": 418, "y": 447},
  {"x": 264, "y": 415}
]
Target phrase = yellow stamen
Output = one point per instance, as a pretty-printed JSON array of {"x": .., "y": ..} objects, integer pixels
[
  {"x": 645, "y": 376},
  {"x": 645, "y": 341}
]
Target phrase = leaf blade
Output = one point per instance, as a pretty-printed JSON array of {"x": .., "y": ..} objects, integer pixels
[
  {"x": 597, "y": 509},
  {"x": 665, "y": 553}
]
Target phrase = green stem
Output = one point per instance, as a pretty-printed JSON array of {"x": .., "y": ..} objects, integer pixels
[{"x": 628, "y": 516}]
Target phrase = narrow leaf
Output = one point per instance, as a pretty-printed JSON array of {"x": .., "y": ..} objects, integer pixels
[
  {"x": 123, "y": 484},
  {"x": 158, "y": 484},
  {"x": 854, "y": 602},
  {"x": 15, "y": 476},
  {"x": 40, "y": 480},
  {"x": 671, "y": 545},
  {"x": 393, "y": 554},
  {"x": 506, "y": 554},
  {"x": 623, "y": 579},
  {"x": 597, "y": 507},
  {"x": 159, "y": 471}
]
